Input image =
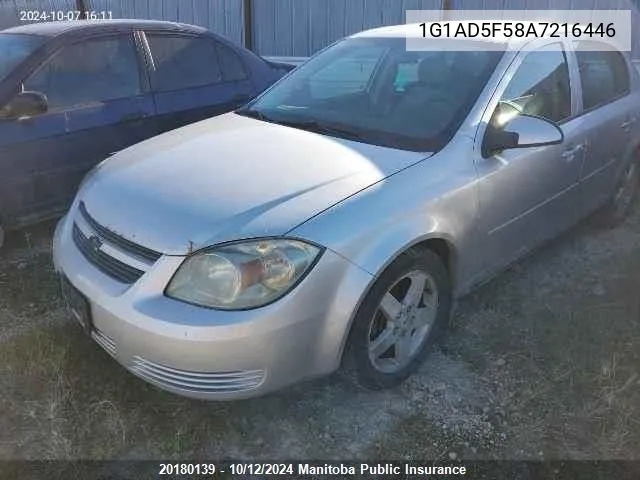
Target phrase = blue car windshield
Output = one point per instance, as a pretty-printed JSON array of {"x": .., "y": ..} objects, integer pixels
[
  {"x": 15, "y": 49},
  {"x": 373, "y": 90}
]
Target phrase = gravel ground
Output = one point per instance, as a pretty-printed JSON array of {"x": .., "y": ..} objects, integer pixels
[{"x": 541, "y": 363}]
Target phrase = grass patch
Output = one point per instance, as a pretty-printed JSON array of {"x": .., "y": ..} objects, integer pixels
[{"x": 65, "y": 398}]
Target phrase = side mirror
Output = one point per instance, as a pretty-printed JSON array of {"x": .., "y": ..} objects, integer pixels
[
  {"x": 522, "y": 131},
  {"x": 27, "y": 104}
]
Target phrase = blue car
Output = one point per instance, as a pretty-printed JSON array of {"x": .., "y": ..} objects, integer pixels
[{"x": 73, "y": 93}]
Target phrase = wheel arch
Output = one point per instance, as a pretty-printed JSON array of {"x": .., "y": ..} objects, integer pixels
[{"x": 438, "y": 243}]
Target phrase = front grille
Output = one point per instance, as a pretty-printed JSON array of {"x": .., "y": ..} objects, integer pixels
[
  {"x": 120, "y": 242},
  {"x": 197, "y": 382},
  {"x": 107, "y": 264},
  {"x": 113, "y": 255}
]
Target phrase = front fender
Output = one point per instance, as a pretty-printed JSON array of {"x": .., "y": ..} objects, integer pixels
[
  {"x": 386, "y": 248},
  {"x": 425, "y": 202}
]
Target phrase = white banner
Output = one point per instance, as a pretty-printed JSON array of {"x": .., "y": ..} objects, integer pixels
[{"x": 493, "y": 29}]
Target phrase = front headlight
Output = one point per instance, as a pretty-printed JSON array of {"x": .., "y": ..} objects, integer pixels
[{"x": 242, "y": 275}]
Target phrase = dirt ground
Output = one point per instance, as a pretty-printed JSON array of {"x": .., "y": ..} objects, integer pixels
[{"x": 541, "y": 363}]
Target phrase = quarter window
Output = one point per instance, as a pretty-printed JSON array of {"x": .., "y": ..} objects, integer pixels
[
  {"x": 183, "y": 62},
  {"x": 89, "y": 72},
  {"x": 231, "y": 65},
  {"x": 604, "y": 75},
  {"x": 540, "y": 87}
]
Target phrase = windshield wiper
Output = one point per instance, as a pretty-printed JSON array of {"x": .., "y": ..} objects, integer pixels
[
  {"x": 322, "y": 128},
  {"x": 247, "y": 112},
  {"x": 309, "y": 125}
]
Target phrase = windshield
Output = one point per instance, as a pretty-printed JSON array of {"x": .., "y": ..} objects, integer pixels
[
  {"x": 15, "y": 49},
  {"x": 375, "y": 91}
]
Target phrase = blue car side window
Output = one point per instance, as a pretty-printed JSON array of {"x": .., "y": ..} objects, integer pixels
[
  {"x": 89, "y": 72},
  {"x": 15, "y": 49},
  {"x": 183, "y": 62},
  {"x": 231, "y": 65}
]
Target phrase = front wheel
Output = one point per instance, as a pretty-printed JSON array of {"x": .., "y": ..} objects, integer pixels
[{"x": 404, "y": 312}]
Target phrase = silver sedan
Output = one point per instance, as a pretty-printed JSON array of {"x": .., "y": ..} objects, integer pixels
[{"x": 333, "y": 220}]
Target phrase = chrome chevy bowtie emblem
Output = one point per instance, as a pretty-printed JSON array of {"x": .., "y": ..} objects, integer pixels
[{"x": 95, "y": 243}]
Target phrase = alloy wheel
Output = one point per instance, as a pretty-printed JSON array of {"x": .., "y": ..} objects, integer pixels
[{"x": 402, "y": 322}]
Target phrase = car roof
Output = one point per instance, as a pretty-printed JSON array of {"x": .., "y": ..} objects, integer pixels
[{"x": 55, "y": 29}]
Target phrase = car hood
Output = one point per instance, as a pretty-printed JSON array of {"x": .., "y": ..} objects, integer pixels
[{"x": 229, "y": 178}]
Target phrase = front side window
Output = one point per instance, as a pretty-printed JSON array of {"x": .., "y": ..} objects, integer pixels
[
  {"x": 183, "y": 62},
  {"x": 15, "y": 49},
  {"x": 373, "y": 90},
  {"x": 540, "y": 87},
  {"x": 89, "y": 72},
  {"x": 604, "y": 76}
]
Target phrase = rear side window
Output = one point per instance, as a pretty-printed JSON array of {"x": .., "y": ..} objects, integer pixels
[
  {"x": 604, "y": 75},
  {"x": 231, "y": 65},
  {"x": 183, "y": 62},
  {"x": 88, "y": 72}
]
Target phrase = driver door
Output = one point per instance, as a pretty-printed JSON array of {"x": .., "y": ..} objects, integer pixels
[
  {"x": 528, "y": 195},
  {"x": 97, "y": 105}
]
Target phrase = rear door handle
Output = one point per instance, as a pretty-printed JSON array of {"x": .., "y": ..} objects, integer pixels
[{"x": 626, "y": 126}]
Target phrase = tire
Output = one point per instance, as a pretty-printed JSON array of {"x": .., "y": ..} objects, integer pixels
[
  {"x": 623, "y": 199},
  {"x": 415, "y": 326}
]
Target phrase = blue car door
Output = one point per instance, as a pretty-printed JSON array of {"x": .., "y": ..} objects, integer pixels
[
  {"x": 24, "y": 142},
  {"x": 194, "y": 77},
  {"x": 97, "y": 105}
]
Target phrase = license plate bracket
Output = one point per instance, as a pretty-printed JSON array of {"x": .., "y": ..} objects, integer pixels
[{"x": 77, "y": 304}]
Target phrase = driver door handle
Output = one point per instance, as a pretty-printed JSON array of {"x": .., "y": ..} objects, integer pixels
[{"x": 570, "y": 154}]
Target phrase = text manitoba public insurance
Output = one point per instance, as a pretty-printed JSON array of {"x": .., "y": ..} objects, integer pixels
[{"x": 379, "y": 469}]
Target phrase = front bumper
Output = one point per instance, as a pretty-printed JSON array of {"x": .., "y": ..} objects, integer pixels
[{"x": 211, "y": 354}]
